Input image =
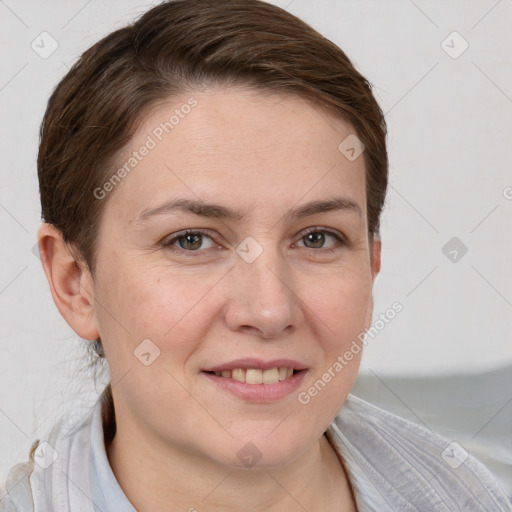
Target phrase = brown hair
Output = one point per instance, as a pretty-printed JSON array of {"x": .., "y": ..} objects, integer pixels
[
  {"x": 96, "y": 108},
  {"x": 173, "y": 48}
]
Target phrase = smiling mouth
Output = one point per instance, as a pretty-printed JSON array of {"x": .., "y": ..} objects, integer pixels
[{"x": 256, "y": 376}]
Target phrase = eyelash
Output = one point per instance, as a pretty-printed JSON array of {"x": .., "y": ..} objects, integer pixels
[{"x": 342, "y": 241}]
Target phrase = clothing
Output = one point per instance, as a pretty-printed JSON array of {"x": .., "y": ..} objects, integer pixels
[{"x": 392, "y": 463}]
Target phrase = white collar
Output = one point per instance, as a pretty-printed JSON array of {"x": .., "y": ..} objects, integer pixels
[{"x": 393, "y": 464}]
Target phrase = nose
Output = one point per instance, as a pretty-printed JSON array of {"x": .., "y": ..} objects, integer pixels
[{"x": 265, "y": 301}]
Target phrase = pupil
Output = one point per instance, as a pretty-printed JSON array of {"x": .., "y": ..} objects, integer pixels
[
  {"x": 317, "y": 238},
  {"x": 194, "y": 241}
]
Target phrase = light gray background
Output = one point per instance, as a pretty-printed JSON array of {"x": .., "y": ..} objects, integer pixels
[{"x": 450, "y": 150}]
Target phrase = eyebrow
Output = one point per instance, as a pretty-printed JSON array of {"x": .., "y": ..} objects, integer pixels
[{"x": 223, "y": 212}]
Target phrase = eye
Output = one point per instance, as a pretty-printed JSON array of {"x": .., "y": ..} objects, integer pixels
[
  {"x": 315, "y": 238},
  {"x": 190, "y": 241},
  {"x": 196, "y": 241}
]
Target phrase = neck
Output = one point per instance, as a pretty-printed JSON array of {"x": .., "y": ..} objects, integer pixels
[{"x": 315, "y": 481}]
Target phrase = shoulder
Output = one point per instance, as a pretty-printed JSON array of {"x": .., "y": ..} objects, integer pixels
[
  {"x": 42, "y": 483},
  {"x": 16, "y": 495},
  {"x": 391, "y": 460}
]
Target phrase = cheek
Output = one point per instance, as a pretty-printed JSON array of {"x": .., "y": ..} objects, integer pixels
[
  {"x": 344, "y": 311},
  {"x": 342, "y": 301},
  {"x": 167, "y": 308}
]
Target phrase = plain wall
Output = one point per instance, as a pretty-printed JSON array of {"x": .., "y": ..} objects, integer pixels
[{"x": 449, "y": 122}]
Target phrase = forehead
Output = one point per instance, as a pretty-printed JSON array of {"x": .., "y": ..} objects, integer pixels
[{"x": 240, "y": 147}]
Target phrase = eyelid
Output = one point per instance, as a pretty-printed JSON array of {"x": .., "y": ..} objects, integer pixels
[{"x": 333, "y": 232}]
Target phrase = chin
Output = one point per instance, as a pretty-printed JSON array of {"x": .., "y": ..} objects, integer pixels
[{"x": 261, "y": 451}]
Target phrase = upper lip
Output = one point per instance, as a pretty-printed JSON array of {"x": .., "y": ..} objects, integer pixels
[{"x": 257, "y": 364}]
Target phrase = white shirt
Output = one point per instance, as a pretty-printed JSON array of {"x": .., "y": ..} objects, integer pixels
[{"x": 393, "y": 465}]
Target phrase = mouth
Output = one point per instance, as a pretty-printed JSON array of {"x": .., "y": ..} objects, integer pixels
[
  {"x": 256, "y": 375},
  {"x": 257, "y": 381}
]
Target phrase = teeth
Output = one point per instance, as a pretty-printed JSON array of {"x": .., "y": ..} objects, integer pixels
[
  {"x": 256, "y": 376},
  {"x": 238, "y": 374},
  {"x": 271, "y": 376}
]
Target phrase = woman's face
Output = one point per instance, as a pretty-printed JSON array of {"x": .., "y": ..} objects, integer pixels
[{"x": 264, "y": 280}]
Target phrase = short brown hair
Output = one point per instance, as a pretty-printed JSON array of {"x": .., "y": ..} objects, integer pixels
[{"x": 178, "y": 45}]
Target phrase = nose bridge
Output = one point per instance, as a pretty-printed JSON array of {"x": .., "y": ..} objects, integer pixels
[
  {"x": 263, "y": 298},
  {"x": 270, "y": 282}
]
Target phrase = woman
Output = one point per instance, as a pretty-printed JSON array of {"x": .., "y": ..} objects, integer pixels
[{"x": 211, "y": 182}]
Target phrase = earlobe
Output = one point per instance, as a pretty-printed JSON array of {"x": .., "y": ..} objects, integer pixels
[{"x": 70, "y": 282}]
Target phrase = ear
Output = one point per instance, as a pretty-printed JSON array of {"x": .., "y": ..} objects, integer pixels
[
  {"x": 375, "y": 249},
  {"x": 70, "y": 281}
]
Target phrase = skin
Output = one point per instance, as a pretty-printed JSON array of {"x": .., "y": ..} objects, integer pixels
[{"x": 178, "y": 434}]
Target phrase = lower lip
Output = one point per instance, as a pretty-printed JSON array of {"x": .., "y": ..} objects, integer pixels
[{"x": 259, "y": 392}]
